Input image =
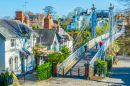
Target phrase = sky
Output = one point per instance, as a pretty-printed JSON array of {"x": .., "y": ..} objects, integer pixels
[{"x": 62, "y": 7}]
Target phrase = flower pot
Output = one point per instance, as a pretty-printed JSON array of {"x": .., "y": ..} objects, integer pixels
[
  {"x": 101, "y": 75},
  {"x": 96, "y": 74}
]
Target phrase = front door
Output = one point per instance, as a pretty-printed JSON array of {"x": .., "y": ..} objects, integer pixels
[{"x": 22, "y": 65}]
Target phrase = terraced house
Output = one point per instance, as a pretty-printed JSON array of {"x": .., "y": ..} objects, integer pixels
[{"x": 16, "y": 40}]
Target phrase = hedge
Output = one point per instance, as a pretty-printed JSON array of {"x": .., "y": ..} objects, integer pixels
[{"x": 44, "y": 71}]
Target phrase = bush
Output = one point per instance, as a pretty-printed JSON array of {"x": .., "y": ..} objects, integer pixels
[
  {"x": 100, "y": 66},
  {"x": 55, "y": 57},
  {"x": 65, "y": 51},
  {"x": 44, "y": 71},
  {"x": 109, "y": 56}
]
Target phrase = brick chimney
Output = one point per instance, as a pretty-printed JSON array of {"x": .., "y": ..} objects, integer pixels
[
  {"x": 47, "y": 22},
  {"x": 19, "y": 15},
  {"x": 26, "y": 20},
  {"x": 58, "y": 27}
]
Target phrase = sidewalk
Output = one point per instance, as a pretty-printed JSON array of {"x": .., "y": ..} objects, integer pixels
[{"x": 120, "y": 74}]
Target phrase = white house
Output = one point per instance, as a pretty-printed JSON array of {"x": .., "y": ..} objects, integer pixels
[
  {"x": 48, "y": 38},
  {"x": 16, "y": 40},
  {"x": 78, "y": 20},
  {"x": 53, "y": 39}
]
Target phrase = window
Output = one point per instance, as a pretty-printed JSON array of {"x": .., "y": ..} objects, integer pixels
[
  {"x": 77, "y": 19},
  {"x": 16, "y": 63},
  {"x": 12, "y": 42},
  {"x": 10, "y": 64}
]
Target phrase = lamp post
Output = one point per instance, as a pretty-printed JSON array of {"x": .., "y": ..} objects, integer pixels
[
  {"x": 88, "y": 38},
  {"x": 40, "y": 39}
]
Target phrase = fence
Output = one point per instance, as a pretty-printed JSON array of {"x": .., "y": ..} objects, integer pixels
[
  {"x": 101, "y": 51},
  {"x": 73, "y": 72}
]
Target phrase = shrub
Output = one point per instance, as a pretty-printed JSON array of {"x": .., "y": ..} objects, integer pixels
[
  {"x": 109, "y": 56},
  {"x": 55, "y": 57},
  {"x": 100, "y": 66},
  {"x": 65, "y": 51},
  {"x": 44, "y": 71}
]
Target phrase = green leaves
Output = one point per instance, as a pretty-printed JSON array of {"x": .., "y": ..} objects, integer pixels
[
  {"x": 65, "y": 51},
  {"x": 44, "y": 71},
  {"x": 55, "y": 57},
  {"x": 99, "y": 31}
]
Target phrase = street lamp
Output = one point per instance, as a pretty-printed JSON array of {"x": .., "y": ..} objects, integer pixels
[
  {"x": 40, "y": 39},
  {"x": 88, "y": 38}
]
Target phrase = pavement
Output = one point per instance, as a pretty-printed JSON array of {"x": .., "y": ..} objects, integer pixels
[{"x": 120, "y": 74}]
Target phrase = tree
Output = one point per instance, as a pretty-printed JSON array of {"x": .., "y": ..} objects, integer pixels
[
  {"x": 29, "y": 13},
  {"x": 55, "y": 57},
  {"x": 36, "y": 52},
  {"x": 70, "y": 15},
  {"x": 106, "y": 26},
  {"x": 38, "y": 27},
  {"x": 113, "y": 49},
  {"x": 85, "y": 40},
  {"x": 33, "y": 27},
  {"x": 99, "y": 31},
  {"x": 79, "y": 10},
  {"x": 50, "y": 10},
  {"x": 65, "y": 51}
]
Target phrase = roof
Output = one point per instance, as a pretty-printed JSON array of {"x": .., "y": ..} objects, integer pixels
[
  {"x": 13, "y": 29},
  {"x": 66, "y": 37},
  {"x": 47, "y": 36},
  {"x": 62, "y": 33}
]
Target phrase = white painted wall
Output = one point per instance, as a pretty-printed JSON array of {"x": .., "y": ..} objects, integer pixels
[
  {"x": 8, "y": 52},
  {"x": 57, "y": 46}
]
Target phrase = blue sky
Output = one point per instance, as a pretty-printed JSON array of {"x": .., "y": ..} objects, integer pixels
[{"x": 62, "y": 7}]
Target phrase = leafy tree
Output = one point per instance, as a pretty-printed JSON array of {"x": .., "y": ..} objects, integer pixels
[
  {"x": 33, "y": 27},
  {"x": 106, "y": 26},
  {"x": 65, "y": 51},
  {"x": 55, "y": 57},
  {"x": 36, "y": 52},
  {"x": 99, "y": 31},
  {"x": 84, "y": 36},
  {"x": 38, "y": 27},
  {"x": 113, "y": 49}
]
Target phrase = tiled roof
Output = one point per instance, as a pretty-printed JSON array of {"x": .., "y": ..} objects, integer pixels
[
  {"x": 47, "y": 36},
  {"x": 13, "y": 29}
]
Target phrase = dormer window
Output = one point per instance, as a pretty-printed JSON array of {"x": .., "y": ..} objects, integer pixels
[{"x": 23, "y": 29}]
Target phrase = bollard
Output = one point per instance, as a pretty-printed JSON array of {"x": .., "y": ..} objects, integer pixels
[
  {"x": 63, "y": 72},
  {"x": 70, "y": 72},
  {"x": 78, "y": 73}
]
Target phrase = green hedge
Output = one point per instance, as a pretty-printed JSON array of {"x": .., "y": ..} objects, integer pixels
[{"x": 44, "y": 71}]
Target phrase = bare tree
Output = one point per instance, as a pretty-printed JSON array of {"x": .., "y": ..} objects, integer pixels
[
  {"x": 79, "y": 10},
  {"x": 50, "y": 10},
  {"x": 29, "y": 13}
]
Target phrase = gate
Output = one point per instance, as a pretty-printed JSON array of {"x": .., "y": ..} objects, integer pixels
[{"x": 76, "y": 72}]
